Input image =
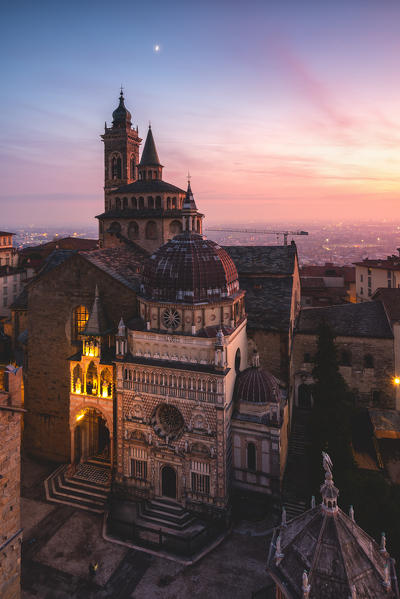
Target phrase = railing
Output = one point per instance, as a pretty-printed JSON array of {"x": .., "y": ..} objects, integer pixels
[{"x": 166, "y": 390}]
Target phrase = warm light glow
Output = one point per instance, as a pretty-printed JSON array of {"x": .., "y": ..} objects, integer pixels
[
  {"x": 105, "y": 391},
  {"x": 396, "y": 380},
  {"x": 78, "y": 386},
  {"x": 80, "y": 416}
]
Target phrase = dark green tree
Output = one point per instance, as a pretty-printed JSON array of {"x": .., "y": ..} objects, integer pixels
[{"x": 333, "y": 407}]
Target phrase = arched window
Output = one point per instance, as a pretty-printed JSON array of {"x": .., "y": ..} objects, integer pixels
[
  {"x": 133, "y": 203},
  {"x": 175, "y": 227},
  {"x": 158, "y": 202},
  {"x": 133, "y": 230},
  {"x": 115, "y": 227},
  {"x": 116, "y": 167},
  {"x": 345, "y": 358},
  {"x": 174, "y": 203},
  {"x": 79, "y": 320},
  {"x": 105, "y": 383},
  {"x": 151, "y": 230},
  {"x": 91, "y": 380},
  {"x": 168, "y": 203},
  {"x": 141, "y": 203},
  {"x": 251, "y": 457},
  {"x": 150, "y": 202},
  {"x": 118, "y": 203},
  {"x": 133, "y": 167},
  {"x": 124, "y": 202},
  {"x": 237, "y": 361},
  {"x": 368, "y": 361},
  {"x": 77, "y": 379}
]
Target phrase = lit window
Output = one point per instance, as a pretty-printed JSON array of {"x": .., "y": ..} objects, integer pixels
[{"x": 80, "y": 318}]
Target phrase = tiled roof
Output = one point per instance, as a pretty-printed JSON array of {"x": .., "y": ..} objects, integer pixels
[
  {"x": 265, "y": 259},
  {"x": 367, "y": 319},
  {"x": 123, "y": 264},
  {"x": 268, "y": 302},
  {"x": 256, "y": 385},
  {"x": 65, "y": 243},
  {"x": 149, "y": 154},
  {"x": 54, "y": 259},
  {"x": 148, "y": 186},
  {"x": 190, "y": 269},
  {"x": 6, "y": 233},
  {"x": 390, "y": 298},
  {"x": 389, "y": 263}
]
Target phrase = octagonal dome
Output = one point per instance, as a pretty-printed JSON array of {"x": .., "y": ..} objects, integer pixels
[
  {"x": 190, "y": 269},
  {"x": 255, "y": 385}
]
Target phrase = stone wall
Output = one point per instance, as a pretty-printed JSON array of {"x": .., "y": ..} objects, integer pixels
[
  {"x": 10, "y": 469},
  {"x": 373, "y": 386},
  {"x": 273, "y": 350},
  {"x": 51, "y": 301}
]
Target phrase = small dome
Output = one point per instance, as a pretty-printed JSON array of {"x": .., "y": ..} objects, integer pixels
[
  {"x": 190, "y": 269},
  {"x": 121, "y": 115},
  {"x": 256, "y": 385}
]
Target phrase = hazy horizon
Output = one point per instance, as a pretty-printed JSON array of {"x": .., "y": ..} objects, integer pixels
[{"x": 287, "y": 108}]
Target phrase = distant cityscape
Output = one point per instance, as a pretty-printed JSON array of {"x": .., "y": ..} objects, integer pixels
[{"x": 339, "y": 243}]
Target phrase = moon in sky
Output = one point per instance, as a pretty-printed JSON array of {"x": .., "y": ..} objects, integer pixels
[{"x": 157, "y": 48}]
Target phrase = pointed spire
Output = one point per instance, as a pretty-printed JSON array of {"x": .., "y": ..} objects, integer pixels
[
  {"x": 189, "y": 203},
  {"x": 96, "y": 325},
  {"x": 383, "y": 543},
  {"x": 351, "y": 513},
  {"x": 121, "y": 328},
  {"x": 149, "y": 154},
  {"x": 328, "y": 490},
  {"x": 278, "y": 552}
]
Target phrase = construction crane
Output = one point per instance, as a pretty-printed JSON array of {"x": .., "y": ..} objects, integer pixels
[{"x": 263, "y": 232}]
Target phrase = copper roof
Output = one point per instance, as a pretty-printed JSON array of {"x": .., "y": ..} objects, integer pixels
[
  {"x": 256, "y": 385},
  {"x": 190, "y": 269}
]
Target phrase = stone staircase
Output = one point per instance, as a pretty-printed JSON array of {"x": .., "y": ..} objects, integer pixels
[
  {"x": 167, "y": 515},
  {"x": 86, "y": 488},
  {"x": 296, "y": 478}
]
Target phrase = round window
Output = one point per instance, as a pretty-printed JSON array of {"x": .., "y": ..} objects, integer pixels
[
  {"x": 171, "y": 318},
  {"x": 168, "y": 421}
]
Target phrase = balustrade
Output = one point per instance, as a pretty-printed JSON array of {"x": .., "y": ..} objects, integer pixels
[{"x": 165, "y": 390}]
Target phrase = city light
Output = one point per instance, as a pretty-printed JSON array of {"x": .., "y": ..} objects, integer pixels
[
  {"x": 396, "y": 380},
  {"x": 80, "y": 416}
]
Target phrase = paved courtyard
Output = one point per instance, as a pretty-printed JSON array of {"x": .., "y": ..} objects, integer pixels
[{"x": 60, "y": 542}]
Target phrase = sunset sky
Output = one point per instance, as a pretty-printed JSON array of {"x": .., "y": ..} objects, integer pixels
[{"x": 281, "y": 110}]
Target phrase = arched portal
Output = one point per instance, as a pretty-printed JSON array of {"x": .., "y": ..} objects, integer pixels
[
  {"x": 91, "y": 439},
  {"x": 168, "y": 482}
]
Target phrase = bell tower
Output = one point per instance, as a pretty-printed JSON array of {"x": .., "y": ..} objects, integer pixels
[{"x": 121, "y": 150}]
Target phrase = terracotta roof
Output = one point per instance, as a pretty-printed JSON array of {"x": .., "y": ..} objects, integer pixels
[
  {"x": 189, "y": 269},
  {"x": 265, "y": 259},
  {"x": 6, "y": 233},
  {"x": 389, "y": 263},
  {"x": 64, "y": 243},
  {"x": 367, "y": 319},
  {"x": 256, "y": 385},
  {"x": 324, "y": 554},
  {"x": 390, "y": 299}
]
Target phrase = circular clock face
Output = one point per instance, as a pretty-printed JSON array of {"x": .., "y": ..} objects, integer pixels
[{"x": 171, "y": 318}]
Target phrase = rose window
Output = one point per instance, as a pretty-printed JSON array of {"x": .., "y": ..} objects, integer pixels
[
  {"x": 168, "y": 421},
  {"x": 171, "y": 318}
]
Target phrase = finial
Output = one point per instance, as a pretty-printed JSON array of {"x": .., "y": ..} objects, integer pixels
[
  {"x": 283, "y": 516},
  {"x": 312, "y": 502},
  {"x": 351, "y": 513},
  {"x": 383, "y": 543},
  {"x": 256, "y": 359},
  {"x": 149, "y": 124},
  {"x": 305, "y": 587},
  {"x": 386, "y": 580},
  {"x": 278, "y": 550},
  {"x": 327, "y": 462},
  {"x": 189, "y": 176},
  {"x": 121, "y": 95},
  {"x": 328, "y": 490}
]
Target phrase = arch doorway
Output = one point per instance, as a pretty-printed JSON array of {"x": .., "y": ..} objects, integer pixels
[
  {"x": 168, "y": 482},
  {"x": 92, "y": 438}
]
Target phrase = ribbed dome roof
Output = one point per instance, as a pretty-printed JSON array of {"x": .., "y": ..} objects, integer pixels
[
  {"x": 121, "y": 115},
  {"x": 190, "y": 269},
  {"x": 256, "y": 385}
]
